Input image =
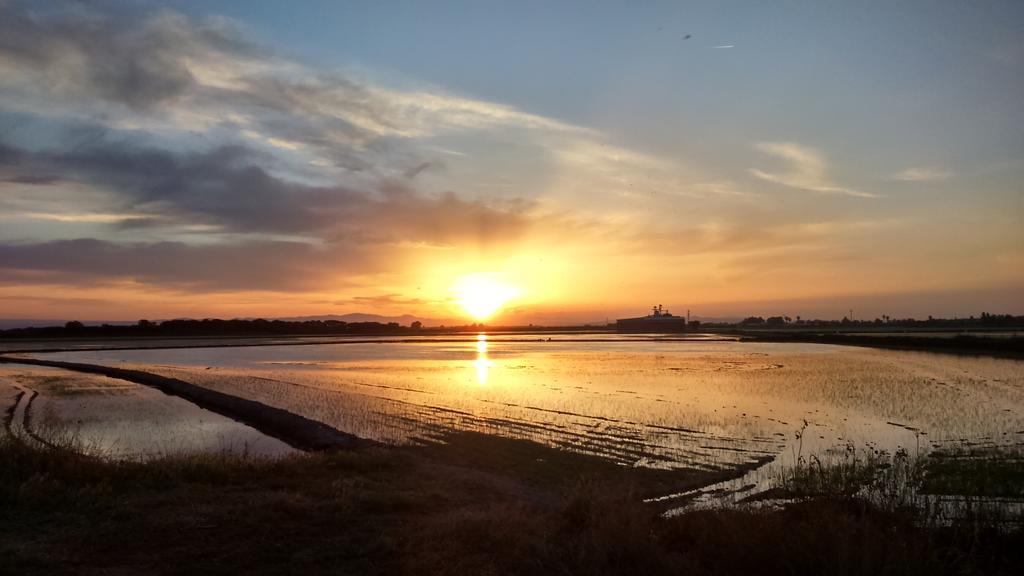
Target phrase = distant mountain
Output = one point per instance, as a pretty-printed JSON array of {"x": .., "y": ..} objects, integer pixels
[{"x": 404, "y": 319}]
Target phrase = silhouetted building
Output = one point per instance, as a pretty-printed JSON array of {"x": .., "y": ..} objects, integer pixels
[{"x": 659, "y": 321}]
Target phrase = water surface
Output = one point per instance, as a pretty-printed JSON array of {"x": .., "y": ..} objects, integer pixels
[
  {"x": 639, "y": 401},
  {"x": 118, "y": 419}
]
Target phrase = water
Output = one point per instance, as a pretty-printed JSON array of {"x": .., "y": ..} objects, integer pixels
[
  {"x": 638, "y": 401},
  {"x": 118, "y": 419}
]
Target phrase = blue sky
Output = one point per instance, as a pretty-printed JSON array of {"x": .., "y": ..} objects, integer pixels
[
  {"x": 798, "y": 155},
  {"x": 937, "y": 68}
]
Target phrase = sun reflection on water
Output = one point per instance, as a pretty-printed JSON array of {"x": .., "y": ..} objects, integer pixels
[{"x": 482, "y": 363}]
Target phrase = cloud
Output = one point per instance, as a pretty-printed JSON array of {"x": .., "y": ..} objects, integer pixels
[
  {"x": 380, "y": 238},
  {"x": 922, "y": 174},
  {"x": 762, "y": 236},
  {"x": 254, "y": 265},
  {"x": 120, "y": 219},
  {"x": 808, "y": 170},
  {"x": 139, "y": 60},
  {"x": 387, "y": 301},
  {"x": 200, "y": 160},
  {"x": 168, "y": 72},
  {"x": 416, "y": 170},
  {"x": 225, "y": 185},
  {"x": 711, "y": 189},
  {"x": 186, "y": 119}
]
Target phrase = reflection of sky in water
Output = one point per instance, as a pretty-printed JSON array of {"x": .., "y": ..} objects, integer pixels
[
  {"x": 120, "y": 419},
  {"x": 654, "y": 403}
]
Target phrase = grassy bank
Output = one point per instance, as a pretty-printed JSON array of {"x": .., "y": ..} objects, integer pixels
[{"x": 468, "y": 509}]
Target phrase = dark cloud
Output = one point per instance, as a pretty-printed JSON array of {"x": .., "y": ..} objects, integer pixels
[
  {"x": 33, "y": 179},
  {"x": 294, "y": 108},
  {"x": 416, "y": 170},
  {"x": 227, "y": 187},
  {"x": 254, "y": 265},
  {"x": 125, "y": 56},
  {"x": 139, "y": 223},
  {"x": 223, "y": 186},
  {"x": 149, "y": 62}
]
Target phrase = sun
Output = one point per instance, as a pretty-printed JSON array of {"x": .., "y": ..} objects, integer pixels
[{"x": 483, "y": 294}]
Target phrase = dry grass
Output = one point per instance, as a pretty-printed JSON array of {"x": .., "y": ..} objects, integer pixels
[{"x": 456, "y": 510}]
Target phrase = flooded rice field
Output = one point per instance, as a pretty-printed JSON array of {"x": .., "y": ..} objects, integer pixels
[
  {"x": 694, "y": 403},
  {"x": 117, "y": 419}
]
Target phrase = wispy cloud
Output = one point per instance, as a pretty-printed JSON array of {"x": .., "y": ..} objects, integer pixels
[
  {"x": 808, "y": 170},
  {"x": 722, "y": 46},
  {"x": 922, "y": 174},
  {"x": 167, "y": 73}
]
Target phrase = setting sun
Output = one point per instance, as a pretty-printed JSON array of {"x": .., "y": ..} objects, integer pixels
[{"x": 483, "y": 294}]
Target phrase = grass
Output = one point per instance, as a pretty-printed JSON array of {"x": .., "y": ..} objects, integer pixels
[
  {"x": 819, "y": 477},
  {"x": 467, "y": 507},
  {"x": 986, "y": 472},
  {"x": 969, "y": 487}
]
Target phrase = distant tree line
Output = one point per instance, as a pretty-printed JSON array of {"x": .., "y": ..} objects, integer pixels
[
  {"x": 213, "y": 327},
  {"x": 261, "y": 327},
  {"x": 986, "y": 320}
]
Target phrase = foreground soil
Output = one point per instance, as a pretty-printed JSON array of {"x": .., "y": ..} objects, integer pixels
[{"x": 475, "y": 505}]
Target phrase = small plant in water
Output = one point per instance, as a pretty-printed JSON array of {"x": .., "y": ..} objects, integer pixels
[{"x": 798, "y": 446}]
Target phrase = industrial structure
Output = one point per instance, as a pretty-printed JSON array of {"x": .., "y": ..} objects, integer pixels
[{"x": 658, "y": 321}]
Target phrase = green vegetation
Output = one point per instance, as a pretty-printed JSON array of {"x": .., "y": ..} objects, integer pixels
[{"x": 468, "y": 507}]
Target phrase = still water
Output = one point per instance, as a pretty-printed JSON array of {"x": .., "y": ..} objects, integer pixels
[
  {"x": 694, "y": 403},
  {"x": 117, "y": 419}
]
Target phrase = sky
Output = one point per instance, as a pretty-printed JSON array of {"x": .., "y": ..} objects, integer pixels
[{"x": 563, "y": 162}]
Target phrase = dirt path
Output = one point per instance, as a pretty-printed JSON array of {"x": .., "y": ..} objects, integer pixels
[{"x": 292, "y": 429}]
